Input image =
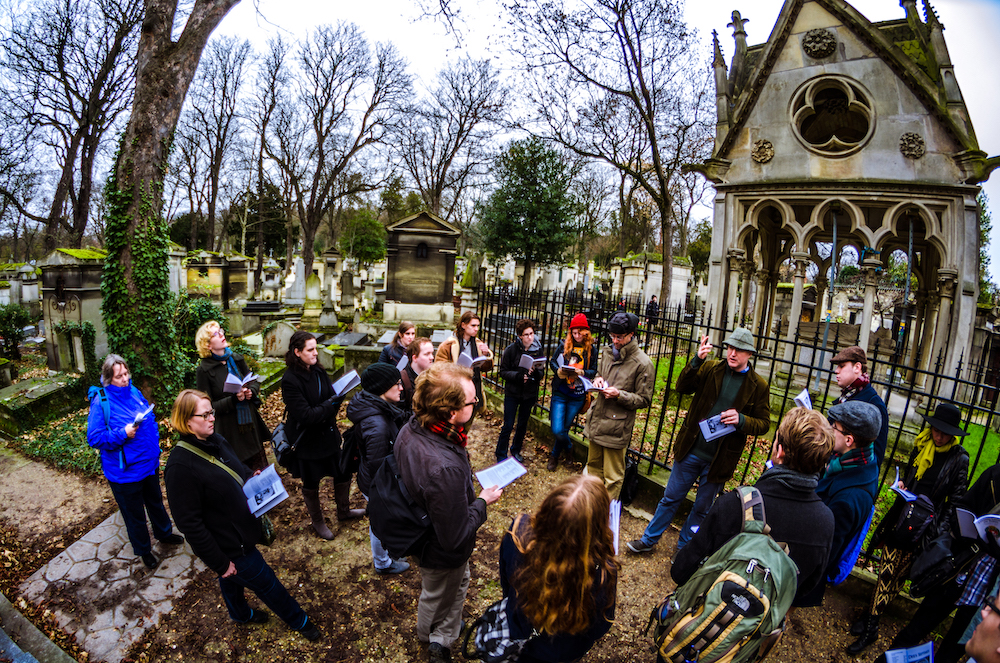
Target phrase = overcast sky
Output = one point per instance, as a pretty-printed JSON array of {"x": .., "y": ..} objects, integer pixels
[{"x": 972, "y": 32}]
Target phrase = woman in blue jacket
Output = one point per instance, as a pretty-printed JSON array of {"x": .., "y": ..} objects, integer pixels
[{"x": 130, "y": 456}]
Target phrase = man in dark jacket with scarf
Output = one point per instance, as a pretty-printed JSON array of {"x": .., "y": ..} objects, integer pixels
[
  {"x": 849, "y": 486},
  {"x": 792, "y": 509},
  {"x": 726, "y": 392},
  {"x": 520, "y": 387},
  {"x": 434, "y": 466},
  {"x": 851, "y": 367}
]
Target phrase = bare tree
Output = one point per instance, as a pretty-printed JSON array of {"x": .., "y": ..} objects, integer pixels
[
  {"x": 443, "y": 142},
  {"x": 70, "y": 70},
  {"x": 616, "y": 81},
  {"x": 346, "y": 97}
]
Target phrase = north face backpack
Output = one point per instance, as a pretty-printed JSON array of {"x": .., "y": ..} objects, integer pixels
[
  {"x": 401, "y": 524},
  {"x": 733, "y": 608}
]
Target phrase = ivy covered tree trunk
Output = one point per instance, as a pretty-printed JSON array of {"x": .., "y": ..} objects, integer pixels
[{"x": 137, "y": 301}]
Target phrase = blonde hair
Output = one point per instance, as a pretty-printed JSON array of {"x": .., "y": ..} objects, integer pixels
[
  {"x": 204, "y": 336},
  {"x": 184, "y": 407},
  {"x": 439, "y": 392},
  {"x": 807, "y": 438}
]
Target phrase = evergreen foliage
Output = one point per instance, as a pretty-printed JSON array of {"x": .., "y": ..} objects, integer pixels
[
  {"x": 13, "y": 319},
  {"x": 988, "y": 291},
  {"x": 363, "y": 237}
]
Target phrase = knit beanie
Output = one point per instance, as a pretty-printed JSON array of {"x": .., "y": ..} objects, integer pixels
[
  {"x": 579, "y": 321},
  {"x": 379, "y": 378}
]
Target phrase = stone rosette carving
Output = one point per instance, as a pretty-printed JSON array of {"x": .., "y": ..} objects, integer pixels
[
  {"x": 912, "y": 145},
  {"x": 763, "y": 151},
  {"x": 819, "y": 43}
]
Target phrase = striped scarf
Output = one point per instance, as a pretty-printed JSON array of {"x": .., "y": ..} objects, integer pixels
[{"x": 451, "y": 432}]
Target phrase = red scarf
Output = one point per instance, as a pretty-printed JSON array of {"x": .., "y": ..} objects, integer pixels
[
  {"x": 451, "y": 432},
  {"x": 855, "y": 387}
]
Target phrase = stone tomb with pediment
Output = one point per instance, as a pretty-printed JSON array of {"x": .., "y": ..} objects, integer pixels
[{"x": 421, "y": 269}]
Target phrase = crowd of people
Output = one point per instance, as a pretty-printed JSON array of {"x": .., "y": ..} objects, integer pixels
[{"x": 558, "y": 567}]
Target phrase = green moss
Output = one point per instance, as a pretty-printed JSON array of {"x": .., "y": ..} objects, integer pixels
[
  {"x": 4, "y": 284},
  {"x": 11, "y": 266},
  {"x": 85, "y": 254}
]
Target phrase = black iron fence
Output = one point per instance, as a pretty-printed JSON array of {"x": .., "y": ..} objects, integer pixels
[{"x": 790, "y": 365}]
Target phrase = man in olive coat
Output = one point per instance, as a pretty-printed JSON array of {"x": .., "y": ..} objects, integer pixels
[{"x": 726, "y": 393}]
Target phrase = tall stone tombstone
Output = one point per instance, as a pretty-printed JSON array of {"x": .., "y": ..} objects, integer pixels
[
  {"x": 296, "y": 295},
  {"x": 347, "y": 294},
  {"x": 313, "y": 305},
  {"x": 420, "y": 270},
  {"x": 71, "y": 293}
]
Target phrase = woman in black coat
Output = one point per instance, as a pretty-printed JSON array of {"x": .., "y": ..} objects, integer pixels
[
  {"x": 311, "y": 408},
  {"x": 237, "y": 418},
  {"x": 377, "y": 419}
]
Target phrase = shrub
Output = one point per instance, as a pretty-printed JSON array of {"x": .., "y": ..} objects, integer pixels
[{"x": 13, "y": 319}]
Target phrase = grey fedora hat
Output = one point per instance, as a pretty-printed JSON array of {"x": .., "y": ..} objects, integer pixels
[{"x": 740, "y": 339}]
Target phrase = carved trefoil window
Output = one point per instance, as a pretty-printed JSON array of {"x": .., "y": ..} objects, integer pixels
[{"x": 832, "y": 116}]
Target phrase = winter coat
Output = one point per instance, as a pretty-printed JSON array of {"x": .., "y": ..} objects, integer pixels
[
  {"x": 123, "y": 459},
  {"x": 311, "y": 412},
  {"x": 211, "y": 378},
  {"x": 513, "y": 374},
  {"x": 378, "y": 421},
  {"x": 796, "y": 516},
  {"x": 704, "y": 380},
  {"x": 208, "y": 505},
  {"x": 869, "y": 395},
  {"x": 391, "y": 353},
  {"x": 449, "y": 351},
  {"x": 610, "y": 420},
  {"x": 438, "y": 476}
]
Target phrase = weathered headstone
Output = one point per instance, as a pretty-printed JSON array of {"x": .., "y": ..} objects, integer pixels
[
  {"x": 276, "y": 340},
  {"x": 296, "y": 295}
]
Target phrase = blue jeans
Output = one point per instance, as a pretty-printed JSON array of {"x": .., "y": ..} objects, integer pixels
[
  {"x": 136, "y": 499},
  {"x": 253, "y": 573},
  {"x": 513, "y": 409},
  {"x": 562, "y": 412},
  {"x": 683, "y": 476},
  {"x": 380, "y": 558}
]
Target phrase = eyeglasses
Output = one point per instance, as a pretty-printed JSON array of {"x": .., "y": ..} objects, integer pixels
[
  {"x": 619, "y": 337},
  {"x": 474, "y": 402},
  {"x": 206, "y": 415},
  {"x": 990, "y": 604},
  {"x": 218, "y": 332}
]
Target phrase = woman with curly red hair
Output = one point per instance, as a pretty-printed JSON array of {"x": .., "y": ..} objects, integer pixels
[{"x": 559, "y": 572}]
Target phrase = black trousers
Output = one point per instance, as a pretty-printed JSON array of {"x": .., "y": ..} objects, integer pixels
[{"x": 937, "y": 605}]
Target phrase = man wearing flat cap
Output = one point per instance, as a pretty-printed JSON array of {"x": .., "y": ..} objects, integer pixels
[
  {"x": 727, "y": 392},
  {"x": 625, "y": 377},
  {"x": 849, "y": 487},
  {"x": 851, "y": 367}
]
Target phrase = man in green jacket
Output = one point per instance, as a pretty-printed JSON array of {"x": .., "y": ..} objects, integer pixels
[
  {"x": 625, "y": 379},
  {"x": 730, "y": 403}
]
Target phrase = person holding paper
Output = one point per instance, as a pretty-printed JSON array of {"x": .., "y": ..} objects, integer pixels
[
  {"x": 465, "y": 342},
  {"x": 130, "y": 457},
  {"x": 625, "y": 377},
  {"x": 732, "y": 391},
  {"x": 522, "y": 378},
  {"x": 434, "y": 468},
  {"x": 575, "y": 359},
  {"x": 238, "y": 418},
  {"x": 420, "y": 356},
  {"x": 204, "y": 479},
  {"x": 939, "y": 469},
  {"x": 559, "y": 573},
  {"x": 793, "y": 510},
  {"x": 378, "y": 419},
  {"x": 312, "y": 406},
  {"x": 851, "y": 368},
  {"x": 394, "y": 351}
]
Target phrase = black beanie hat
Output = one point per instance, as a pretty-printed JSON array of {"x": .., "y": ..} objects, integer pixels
[{"x": 379, "y": 378}]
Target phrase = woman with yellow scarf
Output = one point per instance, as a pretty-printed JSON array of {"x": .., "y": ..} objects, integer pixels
[{"x": 939, "y": 469}]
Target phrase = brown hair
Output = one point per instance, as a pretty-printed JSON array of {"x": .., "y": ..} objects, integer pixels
[
  {"x": 569, "y": 547},
  {"x": 807, "y": 438},
  {"x": 404, "y": 326},
  {"x": 522, "y": 324},
  {"x": 466, "y": 318},
  {"x": 184, "y": 407},
  {"x": 439, "y": 392},
  {"x": 413, "y": 348},
  {"x": 204, "y": 336},
  {"x": 108, "y": 368},
  {"x": 297, "y": 342}
]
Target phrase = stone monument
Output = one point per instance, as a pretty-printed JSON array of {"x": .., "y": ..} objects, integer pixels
[{"x": 420, "y": 270}]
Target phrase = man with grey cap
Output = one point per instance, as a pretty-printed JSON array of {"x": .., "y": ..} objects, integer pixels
[
  {"x": 731, "y": 390},
  {"x": 625, "y": 379},
  {"x": 851, "y": 368},
  {"x": 849, "y": 487}
]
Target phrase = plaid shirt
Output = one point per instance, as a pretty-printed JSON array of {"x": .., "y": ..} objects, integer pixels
[{"x": 978, "y": 581}]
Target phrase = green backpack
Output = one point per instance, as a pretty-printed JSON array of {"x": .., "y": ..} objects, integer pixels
[{"x": 733, "y": 608}]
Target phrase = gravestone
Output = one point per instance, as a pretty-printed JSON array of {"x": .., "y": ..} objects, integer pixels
[
  {"x": 276, "y": 340},
  {"x": 71, "y": 293},
  {"x": 347, "y": 295},
  {"x": 270, "y": 287},
  {"x": 314, "y": 303},
  {"x": 296, "y": 294},
  {"x": 420, "y": 271},
  {"x": 351, "y": 338}
]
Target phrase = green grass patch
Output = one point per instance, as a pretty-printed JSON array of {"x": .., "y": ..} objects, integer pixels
[{"x": 62, "y": 443}]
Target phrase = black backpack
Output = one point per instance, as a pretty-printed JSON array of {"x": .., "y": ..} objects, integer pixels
[
  {"x": 397, "y": 520},
  {"x": 630, "y": 482}
]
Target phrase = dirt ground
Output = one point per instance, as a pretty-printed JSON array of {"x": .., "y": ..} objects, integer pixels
[{"x": 366, "y": 617}]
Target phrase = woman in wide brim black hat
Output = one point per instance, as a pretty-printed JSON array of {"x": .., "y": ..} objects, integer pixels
[{"x": 947, "y": 420}]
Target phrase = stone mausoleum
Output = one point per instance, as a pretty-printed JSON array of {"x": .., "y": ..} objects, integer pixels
[
  {"x": 420, "y": 273},
  {"x": 842, "y": 128}
]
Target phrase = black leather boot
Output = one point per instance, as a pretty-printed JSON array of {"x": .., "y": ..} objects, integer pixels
[
  {"x": 867, "y": 638},
  {"x": 342, "y": 495},
  {"x": 315, "y": 510}
]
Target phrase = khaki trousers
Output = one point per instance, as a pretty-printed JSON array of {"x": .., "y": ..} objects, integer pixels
[
  {"x": 442, "y": 597},
  {"x": 607, "y": 464}
]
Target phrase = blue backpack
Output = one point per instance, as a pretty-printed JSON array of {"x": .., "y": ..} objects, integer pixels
[{"x": 106, "y": 408}]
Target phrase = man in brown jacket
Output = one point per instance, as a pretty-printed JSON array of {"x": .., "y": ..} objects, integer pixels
[
  {"x": 625, "y": 378},
  {"x": 726, "y": 393}
]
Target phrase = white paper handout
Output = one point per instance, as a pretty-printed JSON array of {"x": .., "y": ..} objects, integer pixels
[
  {"x": 905, "y": 494},
  {"x": 142, "y": 415},
  {"x": 234, "y": 384},
  {"x": 803, "y": 400},
  {"x": 467, "y": 360},
  {"x": 502, "y": 474},
  {"x": 527, "y": 362},
  {"x": 264, "y": 491},
  {"x": 588, "y": 385},
  {"x": 920, "y": 654},
  {"x": 713, "y": 428},
  {"x": 346, "y": 383},
  {"x": 614, "y": 519},
  {"x": 402, "y": 363}
]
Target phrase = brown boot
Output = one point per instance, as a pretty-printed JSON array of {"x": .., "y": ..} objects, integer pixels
[
  {"x": 553, "y": 463},
  {"x": 311, "y": 498},
  {"x": 342, "y": 494}
]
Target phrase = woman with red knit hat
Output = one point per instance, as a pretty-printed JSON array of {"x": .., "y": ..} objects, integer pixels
[{"x": 577, "y": 357}]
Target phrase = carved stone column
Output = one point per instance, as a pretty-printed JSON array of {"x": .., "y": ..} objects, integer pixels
[
  {"x": 929, "y": 332},
  {"x": 822, "y": 283},
  {"x": 759, "y": 306},
  {"x": 801, "y": 260},
  {"x": 749, "y": 269},
  {"x": 737, "y": 257},
  {"x": 870, "y": 267},
  {"x": 947, "y": 278}
]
